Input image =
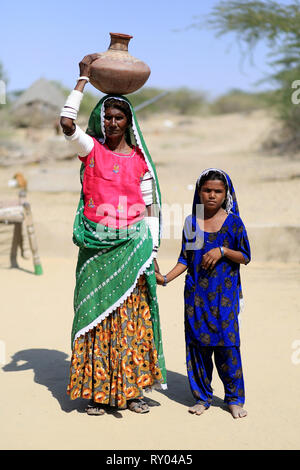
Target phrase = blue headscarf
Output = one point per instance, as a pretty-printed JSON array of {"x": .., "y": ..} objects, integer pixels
[{"x": 230, "y": 203}]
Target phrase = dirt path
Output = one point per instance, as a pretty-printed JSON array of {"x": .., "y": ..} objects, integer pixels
[{"x": 37, "y": 311}]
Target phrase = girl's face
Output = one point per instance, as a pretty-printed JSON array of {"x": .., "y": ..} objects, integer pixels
[
  {"x": 115, "y": 122},
  {"x": 212, "y": 194}
]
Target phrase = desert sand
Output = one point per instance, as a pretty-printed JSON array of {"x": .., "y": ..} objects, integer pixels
[{"x": 36, "y": 311}]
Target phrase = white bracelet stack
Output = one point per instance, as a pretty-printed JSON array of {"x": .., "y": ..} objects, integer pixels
[
  {"x": 72, "y": 105},
  {"x": 83, "y": 78},
  {"x": 153, "y": 224}
]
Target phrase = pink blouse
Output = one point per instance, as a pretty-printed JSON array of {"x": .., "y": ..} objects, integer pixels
[{"x": 111, "y": 186}]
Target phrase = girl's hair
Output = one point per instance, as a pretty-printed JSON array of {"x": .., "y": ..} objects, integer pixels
[
  {"x": 213, "y": 175},
  {"x": 121, "y": 105}
]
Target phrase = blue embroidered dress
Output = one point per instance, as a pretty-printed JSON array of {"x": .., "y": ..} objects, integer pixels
[
  {"x": 212, "y": 302},
  {"x": 212, "y": 298}
]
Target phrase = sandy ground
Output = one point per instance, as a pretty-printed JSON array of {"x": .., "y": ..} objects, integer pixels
[{"x": 37, "y": 312}]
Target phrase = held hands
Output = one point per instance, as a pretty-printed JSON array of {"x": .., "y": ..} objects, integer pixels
[
  {"x": 208, "y": 262},
  {"x": 178, "y": 269},
  {"x": 211, "y": 258},
  {"x": 159, "y": 279}
]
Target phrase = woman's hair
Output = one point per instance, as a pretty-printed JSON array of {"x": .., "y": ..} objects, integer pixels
[
  {"x": 121, "y": 105},
  {"x": 213, "y": 175}
]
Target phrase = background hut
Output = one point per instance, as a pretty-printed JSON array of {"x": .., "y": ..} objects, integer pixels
[{"x": 39, "y": 105}]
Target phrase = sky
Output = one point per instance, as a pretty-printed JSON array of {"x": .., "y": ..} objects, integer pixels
[{"x": 48, "y": 39}]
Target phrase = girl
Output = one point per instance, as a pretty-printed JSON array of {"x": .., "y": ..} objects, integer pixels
[{"x": 214, "y": 244}]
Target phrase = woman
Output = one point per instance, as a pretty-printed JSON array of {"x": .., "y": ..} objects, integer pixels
[{"x": 116, "y": 339}]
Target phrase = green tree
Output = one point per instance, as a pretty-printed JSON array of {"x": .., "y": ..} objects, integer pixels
[
  {"x": 239, "y": 101},
  {"x": 278, "y": 26},
  {"x": 179, "y": 101}
]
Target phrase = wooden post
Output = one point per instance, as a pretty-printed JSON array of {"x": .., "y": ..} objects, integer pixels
[
  {"x": 15, "y": 243},
  {"x": 32, "y": 239},
  {"x": 25, "y": 249},
  {"x": 19, "y": 214},
  {"x": 13, "y": 215}
]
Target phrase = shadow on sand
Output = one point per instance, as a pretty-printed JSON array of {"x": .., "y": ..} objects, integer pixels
[
  {"x": 179, "y": 391},
  {"x": 51, "y": 369}
]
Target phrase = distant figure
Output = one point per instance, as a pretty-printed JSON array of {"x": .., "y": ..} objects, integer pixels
[
  {"x": 214, "y": 244},
  {"x": 18, "y": 181}
]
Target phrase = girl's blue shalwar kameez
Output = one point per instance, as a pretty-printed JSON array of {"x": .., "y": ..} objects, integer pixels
[{"x": 212, "y": 304}]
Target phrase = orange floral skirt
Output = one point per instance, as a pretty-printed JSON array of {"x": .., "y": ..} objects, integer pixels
[{"x": 116, "y": 360}]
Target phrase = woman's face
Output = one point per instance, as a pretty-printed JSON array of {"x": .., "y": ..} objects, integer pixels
[
  {"x": 115, "y": 122},
  {"x": 212, "y": 194}
]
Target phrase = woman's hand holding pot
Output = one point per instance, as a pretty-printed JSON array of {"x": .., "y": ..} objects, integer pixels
[{"x": 85, "y": 64}]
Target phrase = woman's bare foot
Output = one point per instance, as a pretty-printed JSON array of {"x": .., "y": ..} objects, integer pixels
[
  {"x": 197, "y": 409},
  {"x": 237, "y": 411}
]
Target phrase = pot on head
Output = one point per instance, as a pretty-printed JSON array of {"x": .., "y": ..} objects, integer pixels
[{"x": 116, "y": 71}]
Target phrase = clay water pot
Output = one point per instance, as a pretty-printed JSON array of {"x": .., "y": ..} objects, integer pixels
[{"x": 116, "y": 71}]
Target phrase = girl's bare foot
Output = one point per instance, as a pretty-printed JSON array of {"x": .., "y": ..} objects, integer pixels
[
  {"x": 237, "y": 411},
  {"x": 197, "y": 409}
]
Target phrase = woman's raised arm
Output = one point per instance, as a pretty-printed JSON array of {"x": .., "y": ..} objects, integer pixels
[{"x": 71, "y": 108}]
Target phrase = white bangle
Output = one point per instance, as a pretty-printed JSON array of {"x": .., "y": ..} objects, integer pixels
[
  {"x": 74, "y": 100},
  {"x": 72, "y": 105},
  {"x": 69, "y": 113},
  {"x": 83, "y": 77},
  {"x": 153, "y": 224}
]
